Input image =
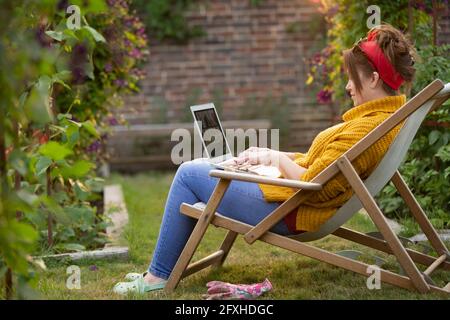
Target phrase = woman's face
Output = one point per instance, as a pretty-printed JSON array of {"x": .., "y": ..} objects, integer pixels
[{"x": 370, "y": 88}]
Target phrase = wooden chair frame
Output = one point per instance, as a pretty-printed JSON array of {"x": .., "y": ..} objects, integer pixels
[{"x": 390, "y": 243}]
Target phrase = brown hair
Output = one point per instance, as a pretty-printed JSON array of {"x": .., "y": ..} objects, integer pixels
[{"x": 396, "y": 47}]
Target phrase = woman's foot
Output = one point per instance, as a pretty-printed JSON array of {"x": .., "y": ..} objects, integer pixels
[
  {"x": 141, "y": 284},
  {"x": 151, "y": 279},
  {"x": 133, "y": 276}
]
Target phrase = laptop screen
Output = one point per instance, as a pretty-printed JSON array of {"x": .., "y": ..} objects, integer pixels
[{"x": 207, "y": 120}]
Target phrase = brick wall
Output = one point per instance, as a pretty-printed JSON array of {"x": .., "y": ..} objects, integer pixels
[
  {"x": 248, "y": 58},
  {"x": 443, "y": 35}
]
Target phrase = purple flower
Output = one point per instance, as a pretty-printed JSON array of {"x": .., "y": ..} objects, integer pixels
[
  {"x": 120, "y": 83},
  {"x": 129, "y": 22},
  {"x": 94, "y": 146},
  {"x": 317, "y": 58},
  {"x": 62, "y": 5},
  {"x": 113, "y": 121},
  {"x": 136, "y": 53},
  {"x": 93, "y": 267},
  {"x": 324, "y": 96},
  {"x": 333, "y": 10},
  {"x": 77, "y": 63},
  {"x": 108, "y": 67},
  {"x": 104, "y": 136},
  {"x": 426, "y": 6}
]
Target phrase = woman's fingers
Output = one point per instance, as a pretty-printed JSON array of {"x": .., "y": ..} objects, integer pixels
[
  {"x": 241, "y": 160},
  {"x": 252, "y": 150},
  {"x": 255, "y": 156}
]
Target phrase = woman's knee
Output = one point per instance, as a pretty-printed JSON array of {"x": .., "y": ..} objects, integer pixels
[{"x": 194, "y": 168}]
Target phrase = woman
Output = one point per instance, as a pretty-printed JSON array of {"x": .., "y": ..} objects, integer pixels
[{"x": 376, "y": 66}]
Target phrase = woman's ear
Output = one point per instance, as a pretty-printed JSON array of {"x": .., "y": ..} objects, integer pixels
[{"x": 374, "y": 80}]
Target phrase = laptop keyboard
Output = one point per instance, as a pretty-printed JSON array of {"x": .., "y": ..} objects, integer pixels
[
  {"x": 258, "y": 169},
  {"x": 242, "y": 167}
]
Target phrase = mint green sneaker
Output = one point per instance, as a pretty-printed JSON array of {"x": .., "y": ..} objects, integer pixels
[
  {"x": 134, "y": 275},
  {"x": 137, "y": 286}
]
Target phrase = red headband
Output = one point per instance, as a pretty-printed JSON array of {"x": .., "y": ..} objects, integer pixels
[{"x": 380, "y": 63}]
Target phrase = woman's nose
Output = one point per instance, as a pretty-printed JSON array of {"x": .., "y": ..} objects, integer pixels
[{"x": 347, "y": 86}]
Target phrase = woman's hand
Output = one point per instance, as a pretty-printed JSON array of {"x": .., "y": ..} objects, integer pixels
[
  {"x": 255, "y": 155},
  {"x": 264, "y": 156},
  {"x": 251, "y": 150}
]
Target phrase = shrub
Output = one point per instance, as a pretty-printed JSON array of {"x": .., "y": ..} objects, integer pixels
[{"x": 58, "y": 87}]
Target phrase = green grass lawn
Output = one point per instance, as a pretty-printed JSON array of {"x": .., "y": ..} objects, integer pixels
[{"x": 292, "y": 276}]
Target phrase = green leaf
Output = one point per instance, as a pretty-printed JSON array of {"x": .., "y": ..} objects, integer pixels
[
  {"x": 42, "y": 165},
  {"x": 89, "y": 68},
  {"x": 37, "y": 104},
  {"x": 57, "y": 35},
  {"x": 91, "y": 6},
  {"x": 70, "y": 247},
  {"x": 83, "y": 216},
  {"x": 81, "y": 191},
  {"x": 78, "y": 170},
  {"x": 18, "y": 161},
  {"x": 51, "y": 205},
  {"x": 72, "y": 133},
  {"x": 444, "y": 153},
  {"x": 28, "y": 197},
  {"x": 446, "y": 172},
  {"x": 70, "y": 34},
  {"x": 97, "y": 36},
  {"x": 89, "y": 126},
  {"x": 79, "y": 125},
  {"x": 61, "y": 116},
  {"x": 61, "y": 77},
  {"x": 433, "y": 137},
  {"x": 60, "y": 196},
  {"x": 55, "y": 150},
  {"x": 96, "y": 184},
  {"x": 17, "y": 240}
]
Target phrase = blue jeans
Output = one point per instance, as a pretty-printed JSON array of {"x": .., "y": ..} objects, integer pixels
[{"x": 243, "y": 201}]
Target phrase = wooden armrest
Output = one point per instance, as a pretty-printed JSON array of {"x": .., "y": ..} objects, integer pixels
[
  {"x": 445, "y": 92},
  {"x": 297, "y": 184}
]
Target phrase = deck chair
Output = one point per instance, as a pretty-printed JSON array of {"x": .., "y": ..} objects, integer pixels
[{"x": 414, "y": 111}]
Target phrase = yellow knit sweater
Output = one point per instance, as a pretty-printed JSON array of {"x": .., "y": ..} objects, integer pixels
[{"x": 327, "y": 147}]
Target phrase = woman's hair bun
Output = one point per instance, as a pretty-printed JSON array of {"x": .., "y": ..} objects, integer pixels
[{"x": 397, "y": 48}]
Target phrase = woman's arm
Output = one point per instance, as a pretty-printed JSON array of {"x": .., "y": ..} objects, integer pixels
[
  {"x": 288, "y": 168},
  {"x": 282, "y": 160},
  {"x": 291, "y": 155}
]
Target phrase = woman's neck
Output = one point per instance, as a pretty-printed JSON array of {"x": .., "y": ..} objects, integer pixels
[{"x": 376, "y": 94}]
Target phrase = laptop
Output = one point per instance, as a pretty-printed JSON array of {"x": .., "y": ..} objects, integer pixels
[{"x": 218, "y": 151}]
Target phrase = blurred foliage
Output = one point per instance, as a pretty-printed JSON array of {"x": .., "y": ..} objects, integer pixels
[
  {"x": 426, "y": 168},
  {"x": 166, "y": 20},
  {"x": 58, "y": 85}
]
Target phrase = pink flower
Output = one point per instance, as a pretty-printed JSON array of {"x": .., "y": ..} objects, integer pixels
[
  {"x": 324, "y": 96},
  {"x": 136, "y": 53}
]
